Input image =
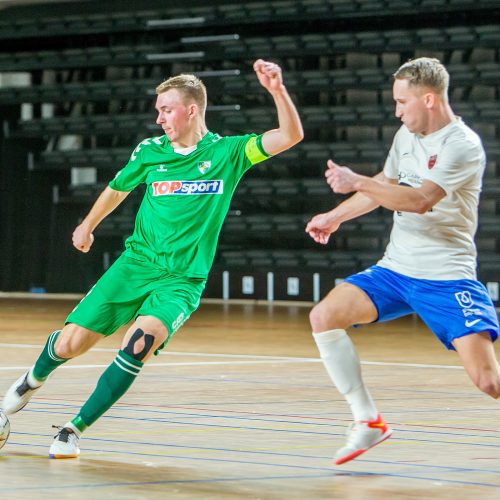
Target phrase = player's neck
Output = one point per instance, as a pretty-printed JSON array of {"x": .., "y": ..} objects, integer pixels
[
  {"x": 441, "y": 119},
  {"x": 192, "y": 138}
]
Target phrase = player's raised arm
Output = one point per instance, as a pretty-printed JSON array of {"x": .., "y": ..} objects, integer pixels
[
  {"x": 289, "y": 131},
  {"x": 108, "y": 200}
]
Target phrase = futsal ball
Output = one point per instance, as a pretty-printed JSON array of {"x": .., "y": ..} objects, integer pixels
[{"x": 4, "y": 428}]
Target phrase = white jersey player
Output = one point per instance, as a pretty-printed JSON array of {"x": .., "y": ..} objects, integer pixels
[{"x": 431, "y": 180}]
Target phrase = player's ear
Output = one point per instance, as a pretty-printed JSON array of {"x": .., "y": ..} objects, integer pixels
[
  {"x": 193, "y": 110},
  {"x": 429, "y": 99}
]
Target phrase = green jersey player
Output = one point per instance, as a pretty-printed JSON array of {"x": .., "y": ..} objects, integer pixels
[{"x": 190, "y": 175}]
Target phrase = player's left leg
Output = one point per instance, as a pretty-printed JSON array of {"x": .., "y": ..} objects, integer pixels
[
  {"x": 141, "y": 340},
  {"x": 462, "y": 316},
  {"x": 478, "y": 357},
  {"x": 170, "y": 301},
  {"x": 61, "y": 346}
]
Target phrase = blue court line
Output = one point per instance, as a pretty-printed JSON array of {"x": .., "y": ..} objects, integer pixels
[
  {"x": 449, "y": 468},
  {"x": 327, "y": 413},
  {"x": 292, "y": 431},
  {"x": 295, "y": 422},
  {"x": 287, "y": 466},
  {"x": 270, "y": 420}
]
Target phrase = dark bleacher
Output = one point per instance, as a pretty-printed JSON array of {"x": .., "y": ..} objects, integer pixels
[
  {"x": 206, "y": 16},
  {"x": 236, "y": 83},
  {"x": 93, "y": 70}
]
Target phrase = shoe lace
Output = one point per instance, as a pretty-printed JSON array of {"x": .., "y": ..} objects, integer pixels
[{"x": 63, "y": 433}]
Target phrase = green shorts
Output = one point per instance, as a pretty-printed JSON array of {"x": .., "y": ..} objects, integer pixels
[{"x": 131, "y": 288}]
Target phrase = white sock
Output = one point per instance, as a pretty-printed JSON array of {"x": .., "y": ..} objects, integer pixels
[
  {"x": 75, "y": 429},
  {"x": 342, "y": 364},
  {"x": 32, "y": 381}
]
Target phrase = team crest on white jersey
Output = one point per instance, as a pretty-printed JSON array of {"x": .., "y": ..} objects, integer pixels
[
  {"x": 203, "y": 166},
  {"x": 432, "y": 161}
]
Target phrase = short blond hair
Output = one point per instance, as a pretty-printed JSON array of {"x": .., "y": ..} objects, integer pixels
[
  {"x": 190, "y": 86},
  {"x": 425, "y": 72}
]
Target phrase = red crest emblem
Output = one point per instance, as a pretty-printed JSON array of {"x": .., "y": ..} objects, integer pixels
[{"x": 432, "y": 161}]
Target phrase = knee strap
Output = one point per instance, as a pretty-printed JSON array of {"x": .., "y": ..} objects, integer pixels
[{"x": 148, "y": 342}]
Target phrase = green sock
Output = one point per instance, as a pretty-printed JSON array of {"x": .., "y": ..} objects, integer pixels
[
  {"x": 112, "y": 385},
  {"x": 48, "y": 360}
]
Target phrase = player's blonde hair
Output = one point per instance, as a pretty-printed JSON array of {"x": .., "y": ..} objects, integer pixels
[
  {"x": 425, "y": 72},
  {"x": 190, "y": 86}
]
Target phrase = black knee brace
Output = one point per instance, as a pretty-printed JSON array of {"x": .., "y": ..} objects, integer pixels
[{"x": 148, "y": 342}]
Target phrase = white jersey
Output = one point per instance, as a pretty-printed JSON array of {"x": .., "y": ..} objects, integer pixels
[{"x": 437, "y": 245}]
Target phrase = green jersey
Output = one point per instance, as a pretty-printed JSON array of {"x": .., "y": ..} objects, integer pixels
[{"x": 187, "y": 198}]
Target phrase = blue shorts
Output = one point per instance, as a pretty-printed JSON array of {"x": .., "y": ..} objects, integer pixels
[{"x": 450, "y": 308}]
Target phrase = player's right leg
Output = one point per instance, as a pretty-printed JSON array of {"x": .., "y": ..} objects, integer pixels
[
  {"x": 478, "y": 357},
  {"x": 343, "y": 307},
  {"x": 61, "y": 346}
]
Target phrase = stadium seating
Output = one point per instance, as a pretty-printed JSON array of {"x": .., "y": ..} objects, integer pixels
[{"x": 93, "y": 75}]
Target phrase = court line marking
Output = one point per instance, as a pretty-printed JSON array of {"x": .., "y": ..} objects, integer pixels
[
  {"x": 295, "y": 430},
  {"x": 328, "y": 472},
  {"x": 312, "y": 421},
  {"x": 294, "y": 426},
  {"x": 197, "y": 447},
  {"x": 256, "y": 359}
]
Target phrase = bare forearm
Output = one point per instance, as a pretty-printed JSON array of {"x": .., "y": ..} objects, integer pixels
[
  {"x": 393, "y": 197},
  {"x": 288, "y": 116},
  {"x": 355, "y": 206},
  {"x": 289, "y": 131},
  {"x": 107, "y": 201}
]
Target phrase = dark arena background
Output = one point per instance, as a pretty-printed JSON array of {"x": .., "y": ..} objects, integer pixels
[
  {"x": 77, "y": 94},
  {"x": 239, "y": 406}
]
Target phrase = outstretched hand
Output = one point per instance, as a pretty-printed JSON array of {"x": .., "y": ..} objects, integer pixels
[
  {"x": 82, "y": 239},
  {"x": 321, "y": 226},
  {"x": 341, "y": 179},
  {"x": 269, "y": 74}
]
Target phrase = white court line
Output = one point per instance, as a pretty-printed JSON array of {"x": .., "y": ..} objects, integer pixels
[{"x": 253, "y": 359}]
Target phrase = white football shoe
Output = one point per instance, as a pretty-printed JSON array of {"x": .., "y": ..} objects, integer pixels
[
  {"x": 18, "y": 395},
  {"x": 65, "y": 444},
  {"x": 361, "y": 436}
]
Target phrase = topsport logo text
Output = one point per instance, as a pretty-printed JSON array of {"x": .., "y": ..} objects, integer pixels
[{"x": 164, "y": 188}]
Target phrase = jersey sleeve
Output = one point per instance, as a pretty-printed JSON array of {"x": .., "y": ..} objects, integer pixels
[
  {"x": 391, "y": 168},
  {"x": 132, "y": 174},
  {"x": 246, "y": 150},
  {"x": 457, "y": 162}
]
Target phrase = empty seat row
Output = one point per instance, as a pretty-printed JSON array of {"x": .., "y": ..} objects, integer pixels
[
  {"x": 125, "y": 55},
  {"x": 344, "y": 262},
  {"x": 242, "y": 48},
  {"x": 446, "y": 38},
  {"x": 252, "y": 119},
  {"x": 221, "y": 15},
  {"x": 240, "y": 83}
]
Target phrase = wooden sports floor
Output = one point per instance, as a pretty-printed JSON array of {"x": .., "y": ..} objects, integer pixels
[{"x": 239, "y": 406}]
